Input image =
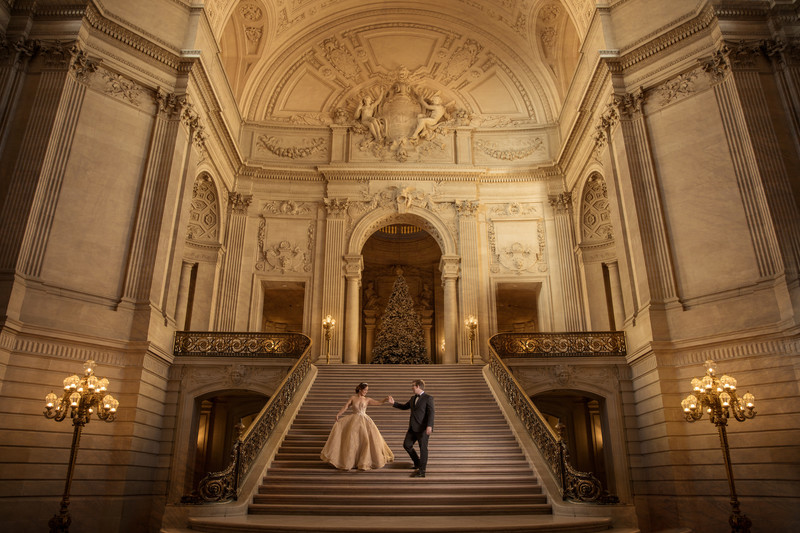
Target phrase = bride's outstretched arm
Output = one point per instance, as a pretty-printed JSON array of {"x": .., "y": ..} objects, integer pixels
[
  {"x": 370, "y": 401},
  {"x": 343, "y": 409}
]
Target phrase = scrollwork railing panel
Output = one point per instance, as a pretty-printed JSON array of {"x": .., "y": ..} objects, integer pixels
[
  {"x": 224, "y": 485},
  {"x": 575, "y": 485},
  {"x": 221, "y": 344},
  {"x": 590, "y": 343}
]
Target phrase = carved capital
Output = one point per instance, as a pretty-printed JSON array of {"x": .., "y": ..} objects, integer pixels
[
  {"x": 169, "y": 104},
  {"x": 562, "y": 202},
  {"x": 467, "y": 208},
  {"x": 238, "y": 202},
  {"x": 629, "y": 105},
  {"x": 81, "y": 65},
  {"x": 353, "y": 265},
  {"x": 717, "y": 66},
  {"x": 336, "y": 207},
  {"x": 449, "y": 266}
]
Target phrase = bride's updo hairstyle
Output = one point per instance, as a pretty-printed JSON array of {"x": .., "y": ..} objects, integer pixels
[{"x": 360, "y": 387}]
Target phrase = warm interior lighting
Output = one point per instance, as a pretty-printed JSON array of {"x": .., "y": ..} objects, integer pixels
[{"x": 50, "y": 399}]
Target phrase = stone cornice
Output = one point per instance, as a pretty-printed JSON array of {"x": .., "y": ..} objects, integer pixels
[
  {"x": 98, "y": 21},
  {"x": 439, "y": 173}
]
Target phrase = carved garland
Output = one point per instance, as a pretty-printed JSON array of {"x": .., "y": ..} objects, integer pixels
[
  {"x": 509, "y": 154},
  {"x": 270, "y": 143}
]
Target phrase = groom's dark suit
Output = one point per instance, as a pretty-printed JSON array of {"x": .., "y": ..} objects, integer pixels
[{"x": 421, "y": 418}]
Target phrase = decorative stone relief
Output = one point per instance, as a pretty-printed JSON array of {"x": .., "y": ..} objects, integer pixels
[
  {"x": 514, "y": 209},
  {"x": 630, "y": 104},
  {"x": 717, "y": 66},
  {"x": 512, "y": 250},
  {"x": 595, "y": 212},
  {"x": 467, "y": 208},
  {"x": 272, "y": 144},
  {"x": 250, "y": 12},
  {"x": 191, "y": 119},
  {"x": 404, "y": 121},
  {"x": 253, "y": 34},
  {"x": 679, "y": 87},
  {"x": 519, "y": 149},
  {"x": 340, "y": 58},
  {"x": 204, "y": 211},
  {"x": 605, "y": 123},
  {"x": 289, "y": 207},
  {"x": 562, "y": 202},
  {"x": 120, "y": 87},
  {"x": 285, "y": 255},
  {"x": 461, "y": 60}
]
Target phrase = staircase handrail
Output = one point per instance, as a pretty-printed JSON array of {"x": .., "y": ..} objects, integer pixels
[
  {"x": 223, "y": 486},
  {"x": 560, "y": 344},
  {"x": 575, "y": 485},
  {"x": 239, "y": 344}
]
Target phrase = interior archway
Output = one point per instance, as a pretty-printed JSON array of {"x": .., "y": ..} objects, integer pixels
[{"x": 418, "y": 254}]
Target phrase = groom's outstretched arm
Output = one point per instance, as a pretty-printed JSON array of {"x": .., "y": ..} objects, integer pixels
[{"x": 403, "y": 406}]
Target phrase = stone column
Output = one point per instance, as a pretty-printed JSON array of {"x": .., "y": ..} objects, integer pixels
[
  {"x": 449, "y": 267},
  {"x": 333, "y": 278},
  {"x": 354, "y": 264},
  {"x": 616, "y": 295},
  {"x": 183, "y": 295},
  {"x": 369, "y": 333},
  {"x": 227, "y": 298},
  {"x": 470, "y": 274},
  {"x": 574, "y": 318}
]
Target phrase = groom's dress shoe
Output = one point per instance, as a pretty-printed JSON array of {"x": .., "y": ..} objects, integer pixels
[{"x": 418, "y": 473}]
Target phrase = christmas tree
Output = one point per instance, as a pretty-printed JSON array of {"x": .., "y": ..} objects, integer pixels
[{"x": 400, "y": 338}]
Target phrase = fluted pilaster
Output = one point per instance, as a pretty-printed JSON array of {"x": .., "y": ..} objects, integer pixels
[
  {"x": 751, "y": 190},
  {"x": 574, "y": 319},
  {"x": 227, "y": 298},
  {"x": 333, "y": 275},
  {"x": 470, "y": 272},
  {"x": 659, "y": 262}
]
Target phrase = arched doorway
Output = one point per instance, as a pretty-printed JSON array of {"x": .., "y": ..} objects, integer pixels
[
  {"x": 217, "y": 416},
  {"x": 418, "y": 254},
  {"x": 583, "y": 416}
]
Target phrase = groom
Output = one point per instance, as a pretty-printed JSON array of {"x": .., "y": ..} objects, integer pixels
[{"x": 420, "y": 425}]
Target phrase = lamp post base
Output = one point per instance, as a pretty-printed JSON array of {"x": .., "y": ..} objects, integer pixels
[{"x": 61, "y": 521}]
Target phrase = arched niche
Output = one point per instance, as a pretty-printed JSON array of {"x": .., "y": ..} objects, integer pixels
[
  {"x": 557, "y": 41},
  {"x": 417, "y": 216}
]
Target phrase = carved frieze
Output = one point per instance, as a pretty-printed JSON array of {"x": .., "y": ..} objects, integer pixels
[
  {"x": 679, "y": 87},
  {"x": 511, "y": 150},
  {"x": 289, "y": 207},
  {"x": 462, "y": 59},
  {"x": 121, "y": 87},
  {"x": 514, "y": 209},
  {"x": 311, "y": 146}
]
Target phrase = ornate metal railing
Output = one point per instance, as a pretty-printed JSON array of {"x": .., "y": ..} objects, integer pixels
[
  {"x": 224, "y": 485},
  {"x": 214, "y": 343},
  {"x": 589, "y": 343},
  {"x": 575, "y": 485}
]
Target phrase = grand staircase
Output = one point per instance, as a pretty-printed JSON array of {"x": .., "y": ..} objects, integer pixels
[{"x": 478, "y": 479}]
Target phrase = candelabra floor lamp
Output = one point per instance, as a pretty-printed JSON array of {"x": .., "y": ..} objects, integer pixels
[
  {"x": 718, "y": 398},
  {"x": 471, "y": 324},
  {"x": 328, "y": 324},
  {"x": 82, "y": 397}
]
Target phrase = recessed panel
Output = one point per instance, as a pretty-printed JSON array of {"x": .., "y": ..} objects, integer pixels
[{"x": 307, "y": 92}]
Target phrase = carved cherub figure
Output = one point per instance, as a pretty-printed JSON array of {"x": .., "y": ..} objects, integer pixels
[
  {"x": 365, "y": 113},
  {"x": 435, "y": 112}
]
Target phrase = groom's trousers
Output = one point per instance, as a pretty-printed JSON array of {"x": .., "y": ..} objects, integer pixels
[{"x": 421, "y": 460}]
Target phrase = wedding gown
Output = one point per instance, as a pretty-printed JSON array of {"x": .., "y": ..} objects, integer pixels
[{"x": 355, "y": 442}]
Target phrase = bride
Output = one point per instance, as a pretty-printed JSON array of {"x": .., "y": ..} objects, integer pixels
[{"x": 355, "y": 441}]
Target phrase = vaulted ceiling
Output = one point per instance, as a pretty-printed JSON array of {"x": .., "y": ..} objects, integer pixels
[{"x": 495, "y": 59}]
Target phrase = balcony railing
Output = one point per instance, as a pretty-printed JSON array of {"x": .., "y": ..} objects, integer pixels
[
  {"x": 584, "y": 344},
  {"x": 224, "y": 485},
  {"x": 575, "y": 485},
  {"x": 223, "y": 344}
]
